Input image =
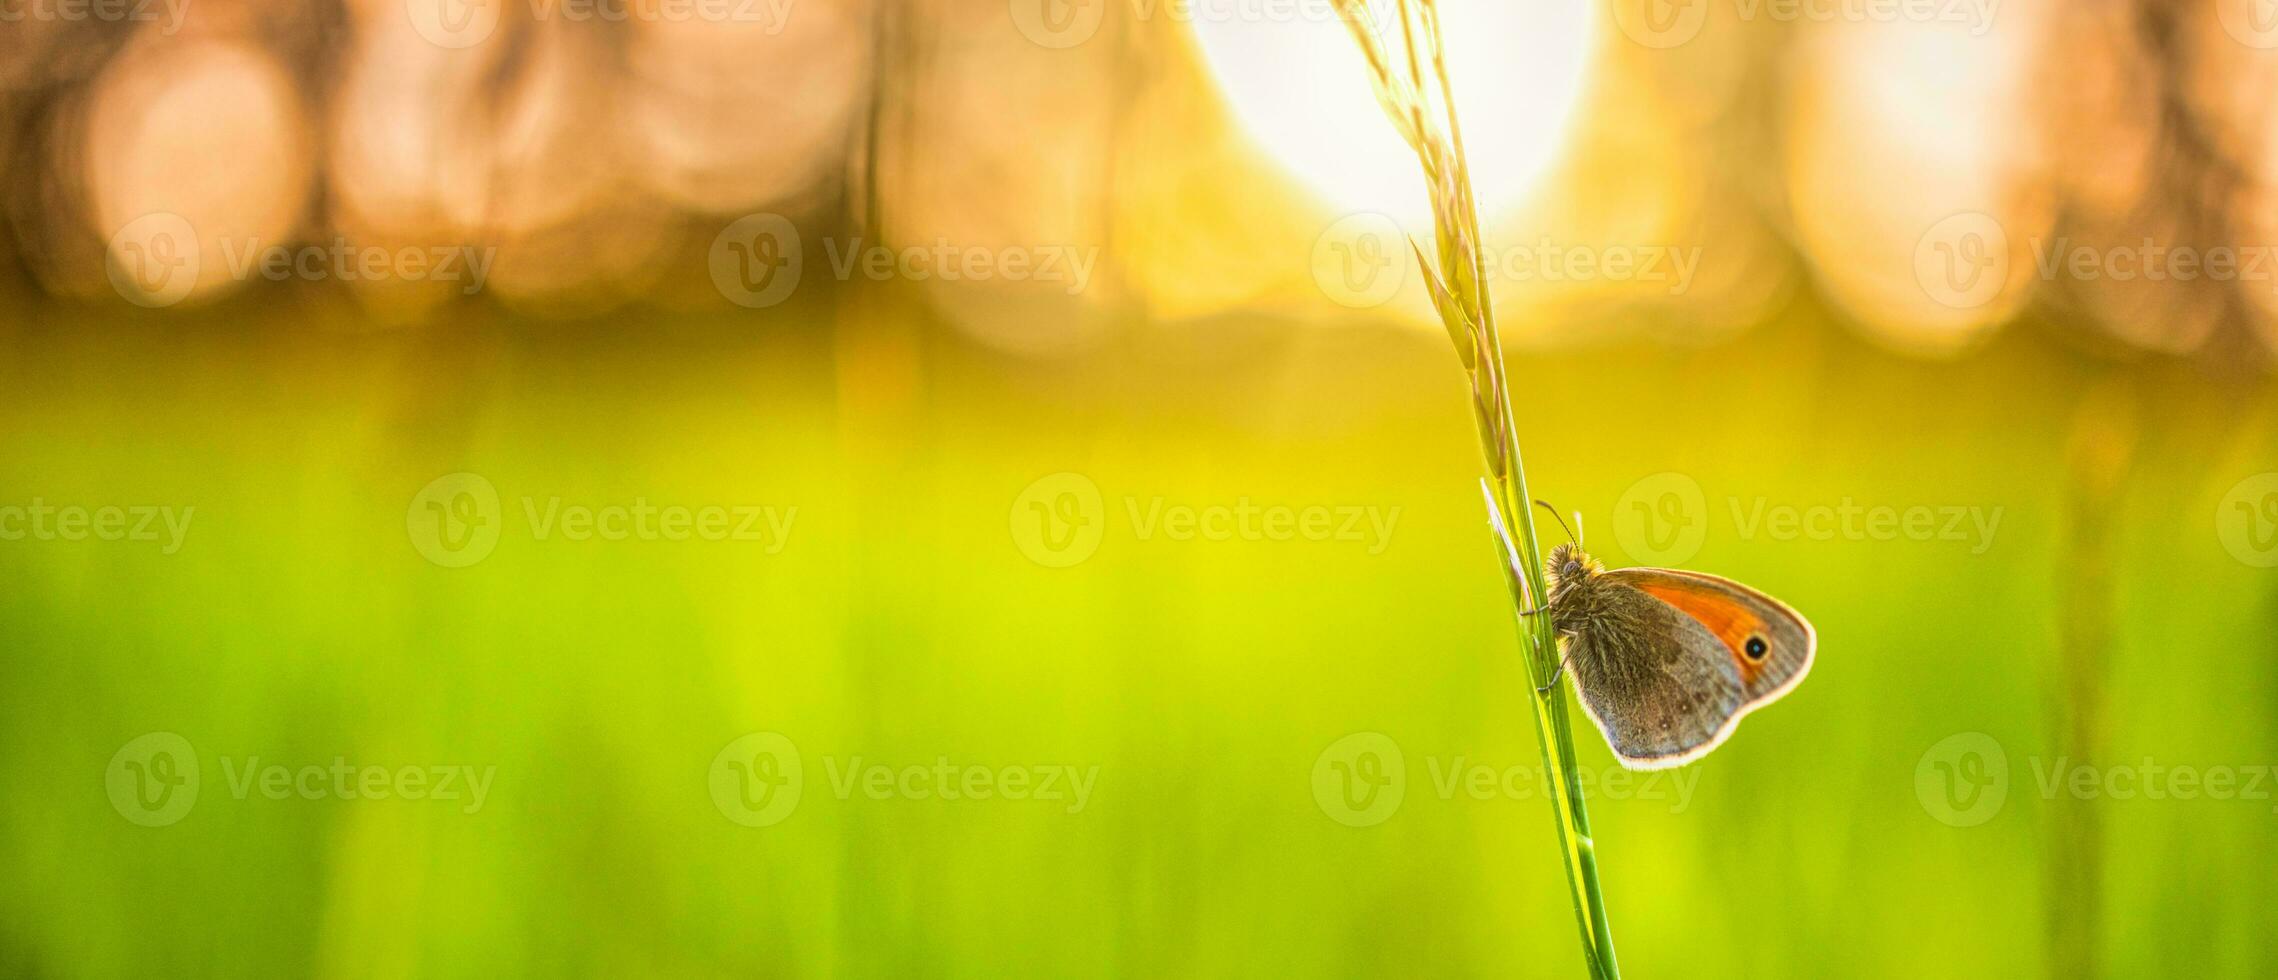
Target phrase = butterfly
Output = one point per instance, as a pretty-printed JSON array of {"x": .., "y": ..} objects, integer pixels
[{"x": 1665, "y": 661}]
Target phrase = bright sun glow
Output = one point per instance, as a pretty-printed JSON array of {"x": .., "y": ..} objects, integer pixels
[{"x": 1302, "y": 90}]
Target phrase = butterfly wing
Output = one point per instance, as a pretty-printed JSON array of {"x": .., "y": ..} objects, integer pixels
[
  {"x": 1652, "y": 679},
  {"x": 1675, "y": 659},
  {"x": 1767, "y": 643}
]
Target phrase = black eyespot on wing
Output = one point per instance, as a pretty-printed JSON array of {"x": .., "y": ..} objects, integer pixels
[{"x": 1757, "y": 648}]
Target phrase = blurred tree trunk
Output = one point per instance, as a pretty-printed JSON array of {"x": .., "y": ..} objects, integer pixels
[{"x": 2101, "y": 455}]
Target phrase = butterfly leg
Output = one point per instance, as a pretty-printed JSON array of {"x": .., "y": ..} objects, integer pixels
[{"x": 1556, "y": 675}]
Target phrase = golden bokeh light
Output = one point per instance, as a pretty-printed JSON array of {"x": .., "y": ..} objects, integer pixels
[
  {"x": 1915, "y": 183},
  {"x": 1675, "y": 171},
  {"x": 182, "y": 194},
  {"x": 730, "y": 116}
]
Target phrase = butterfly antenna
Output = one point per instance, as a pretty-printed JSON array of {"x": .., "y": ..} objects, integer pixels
[
  {"x": 1579, "y": 531},
  {"x": 1554, "y": 515}
]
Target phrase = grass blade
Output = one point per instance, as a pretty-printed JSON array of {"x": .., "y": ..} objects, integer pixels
[{"x": 1416, "y": 103}]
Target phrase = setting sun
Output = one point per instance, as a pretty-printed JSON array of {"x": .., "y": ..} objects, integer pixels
[{"x": 1519, "y": 72}]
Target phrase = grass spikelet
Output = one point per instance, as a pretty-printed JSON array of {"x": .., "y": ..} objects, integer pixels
[{"x": 1409, "y": 71}]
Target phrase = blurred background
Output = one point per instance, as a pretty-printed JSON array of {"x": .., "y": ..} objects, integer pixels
[{"x": 823, "y": 488}]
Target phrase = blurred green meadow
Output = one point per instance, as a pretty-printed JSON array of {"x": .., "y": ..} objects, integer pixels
[{"x": 910, "y": 616}]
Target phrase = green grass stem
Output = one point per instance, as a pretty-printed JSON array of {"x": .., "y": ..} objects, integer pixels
[{"x": 1416, "y": 103}]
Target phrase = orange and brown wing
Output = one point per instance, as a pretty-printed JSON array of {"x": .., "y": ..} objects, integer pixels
[{"x": 1770, "y": 644}]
